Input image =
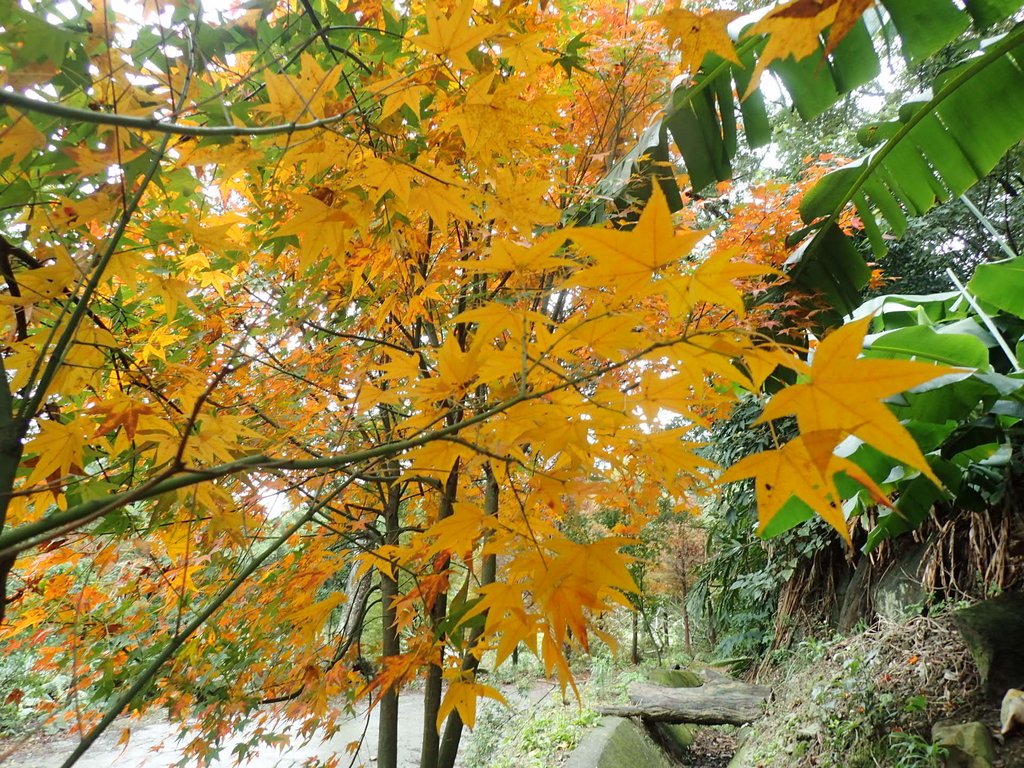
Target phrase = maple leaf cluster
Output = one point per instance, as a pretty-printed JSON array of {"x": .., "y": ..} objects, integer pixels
[{"x": 314, "y": 312}]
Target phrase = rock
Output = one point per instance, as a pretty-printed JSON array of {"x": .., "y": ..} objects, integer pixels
[
  {"x": 969, "y": 745},
  {"x": 1011, "y": 714},
  {"x": 677, "y": 738},
  {"x": 808, "y": 732},
  {"x": 994, "y": 633},
  {"x": 742, "y": 734},
  {"x": 675, "y": 678},
  {"x": 899, "y": 593},
  {"x": 856, "y": 603},
  {"x": 615, "y": 743}
]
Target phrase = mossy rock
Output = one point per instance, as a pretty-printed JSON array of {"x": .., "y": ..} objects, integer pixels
[
  {"x": 675, "y": 678},
  {"x": 994, "y": 633},
  {"x": 677, "y": 739},
  {"x": 969, "y": 745},
  {"x": 617, "y": 742}
]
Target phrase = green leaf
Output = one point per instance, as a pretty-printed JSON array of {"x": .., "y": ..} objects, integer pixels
[
  {"x": 1000, "y": 284},
  {"x": 925, "y": 27},
  {"x": 790, "y": 515},
  {"x": 924, "y": 343},
  {"x": 987, "y": 12}
]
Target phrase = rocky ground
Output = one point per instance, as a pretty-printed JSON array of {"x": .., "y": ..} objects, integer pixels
[
  {"x": 712, "y": 748},
  {"x": 871, "y": 699}
]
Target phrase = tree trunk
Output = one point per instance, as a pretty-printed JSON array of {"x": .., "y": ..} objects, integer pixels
[
  {"x": 720, "y": 701},
  {"x": 11, "y": 449},
  {"x": 449, "y": 748},
  {"x": 430, "y": 743},
  {"x": 686, "y": 619},
  {"x": 387, "y": 735},
  {"x": 635, "y": 655}
]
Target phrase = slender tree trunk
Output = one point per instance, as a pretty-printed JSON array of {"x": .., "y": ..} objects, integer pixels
[
  {"x": 387, "y": 735},
  {"x": 452, "y": 736},
  {"x": 11, "y": 432},
  {"x": 635, "y": 655},
  {"x": 712, "y": 629},
  {"x": 432, "y": 688},
  {"x": 686, "y": 620}
]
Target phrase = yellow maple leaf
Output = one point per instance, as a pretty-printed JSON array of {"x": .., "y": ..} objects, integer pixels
[
  {"x": 410, "y": 96},
  {"x": 712, "y": 282},
  {"x": 43, "y": 283},
  {"x": 459, "y": 531},
  {"x": 321, "y": 227},
  {"x": 506, "y": 256},
  {"x": 507, "y": 617},
  {"x": 451, "y": 36},
  {"x": 441, "y": 200},
  {"x": 396, "y": 178},
  {"x": 793, "y": 31},
  {"x": 696, "y": 35},
  {"x": 304, "y": 96},
  {"x": 844, "y": 392},
  {"x": 461, "y": 696},
  {"x": 527, "y": 53},
  {"x": 605, "y": 332},
  {"x": 805, "y": 467},
  {"x": 19, "y": 138},
  {"x": 58, "y": 448},
  {"x": 629, "y": 259}
]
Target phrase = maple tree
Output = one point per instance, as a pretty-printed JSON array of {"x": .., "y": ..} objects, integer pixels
[{"x": 309, "y": 301}]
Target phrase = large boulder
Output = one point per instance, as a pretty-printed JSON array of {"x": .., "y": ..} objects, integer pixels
[
  {"x": 994, "y": 633},
  {"x": 616, "y": 743},
  {"x": 968, "y": 745},
  {"x": 899, "y": 592}
]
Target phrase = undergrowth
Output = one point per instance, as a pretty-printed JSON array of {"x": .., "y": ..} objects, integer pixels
[
  {"x": 865, "y": 701},
  {"x": 540, "y": 730}
]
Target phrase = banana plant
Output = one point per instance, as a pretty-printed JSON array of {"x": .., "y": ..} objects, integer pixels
[
  {"x": 941, "y": 145},
  {"x": 969, "y": 425}
]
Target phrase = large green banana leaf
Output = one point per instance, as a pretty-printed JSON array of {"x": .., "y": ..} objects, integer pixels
[{"x": 938, "y": 149}]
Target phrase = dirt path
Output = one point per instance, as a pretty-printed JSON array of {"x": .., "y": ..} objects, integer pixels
[{"x": 153, "y": 744}]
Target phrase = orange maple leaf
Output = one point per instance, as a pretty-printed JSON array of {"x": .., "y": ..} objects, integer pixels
[
  {"x": 583, "y": 577},
  {"x": 844, "y": 392},
  {"x": 121, "y": 411}
]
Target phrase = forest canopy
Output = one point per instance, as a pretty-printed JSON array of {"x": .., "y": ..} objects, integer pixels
[{"x": 325, "y": 324}]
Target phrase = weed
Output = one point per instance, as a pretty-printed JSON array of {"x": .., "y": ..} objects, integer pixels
[{"x": 909, "y": 750}]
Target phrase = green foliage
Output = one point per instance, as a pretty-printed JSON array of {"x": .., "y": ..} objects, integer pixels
[
  {"x": 737, "y": 589},
  {"x": 527, "y": 736},
  {"x": 971, "y": 426},
  {"x": 909, "y": 750},
  {"x": 21, "y": 688},
  {"x": 934, "y": 149}
]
